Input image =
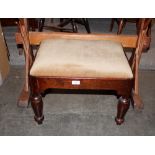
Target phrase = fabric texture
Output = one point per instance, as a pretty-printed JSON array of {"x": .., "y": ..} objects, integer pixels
[{"x": 81, "y": 58}]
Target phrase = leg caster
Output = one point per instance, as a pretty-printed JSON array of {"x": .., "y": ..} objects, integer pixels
[
  {"x": 122, "y": 108},
  {"x": 37, "y": 105}
]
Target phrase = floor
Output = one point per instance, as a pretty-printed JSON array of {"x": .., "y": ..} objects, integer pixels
[{"x": 75, "y": 114}]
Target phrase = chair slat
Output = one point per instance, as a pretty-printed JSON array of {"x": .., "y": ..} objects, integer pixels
[{"x": 37, "y": 37}]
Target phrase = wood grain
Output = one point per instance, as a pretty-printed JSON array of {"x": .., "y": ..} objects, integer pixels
[
  {"x": 122, "y": 86},
  {"x": 36, "y": 37}
]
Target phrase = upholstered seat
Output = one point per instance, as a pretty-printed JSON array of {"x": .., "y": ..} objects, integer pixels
[
  {"x": 73, "y": 62},
  {"x": 80, "y": 58}
]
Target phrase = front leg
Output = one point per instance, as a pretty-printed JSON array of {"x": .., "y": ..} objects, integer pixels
[
  {"x": 122, "y": 108},
  {"x": 37, "y": 105}
]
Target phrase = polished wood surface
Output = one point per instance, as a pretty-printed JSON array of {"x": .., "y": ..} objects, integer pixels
[
  {"x": 121, "y": 85},
  {"x": 37, "y": 105},
  {"x": 36, "y": 37},
  {"x": 127, "y": 41},
  {"x": 122, "y": 108}
]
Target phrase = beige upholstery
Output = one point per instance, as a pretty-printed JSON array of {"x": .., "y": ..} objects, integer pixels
[{"x": 80, "y": 58}]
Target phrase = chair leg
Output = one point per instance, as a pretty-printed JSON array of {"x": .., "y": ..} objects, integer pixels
[
  {"x": 112, "y": 24},
  {"x": 61, "y": 21},
  {"x": 74, "y": 26},
  {"x": 86, "y": 24},
  {"x": 122, "y": 108},
  {"x": 37, "y": 105},
  {"x": 120, "y": 26},
  {"x": 41, "y": 24}
]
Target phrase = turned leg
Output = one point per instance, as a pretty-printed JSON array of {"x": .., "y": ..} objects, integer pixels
[
  {"x": 37, "y": 105},
  {"x": 122, "y": 108}
]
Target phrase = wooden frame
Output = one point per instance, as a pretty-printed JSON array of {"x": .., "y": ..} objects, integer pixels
[
  {"x": 125, "y": 88},
  {"x": 127, "y": 41},
  {"x": 36, "y": 37}
]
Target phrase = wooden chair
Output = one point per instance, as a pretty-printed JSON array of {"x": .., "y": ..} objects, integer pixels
[
  {"x": 83, "y": 62},
  {"x": 121, "y": 22},
  {"x": 63, "y": 22}
]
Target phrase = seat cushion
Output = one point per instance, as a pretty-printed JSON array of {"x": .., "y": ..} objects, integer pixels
[{"x": 81, "y": 58}]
